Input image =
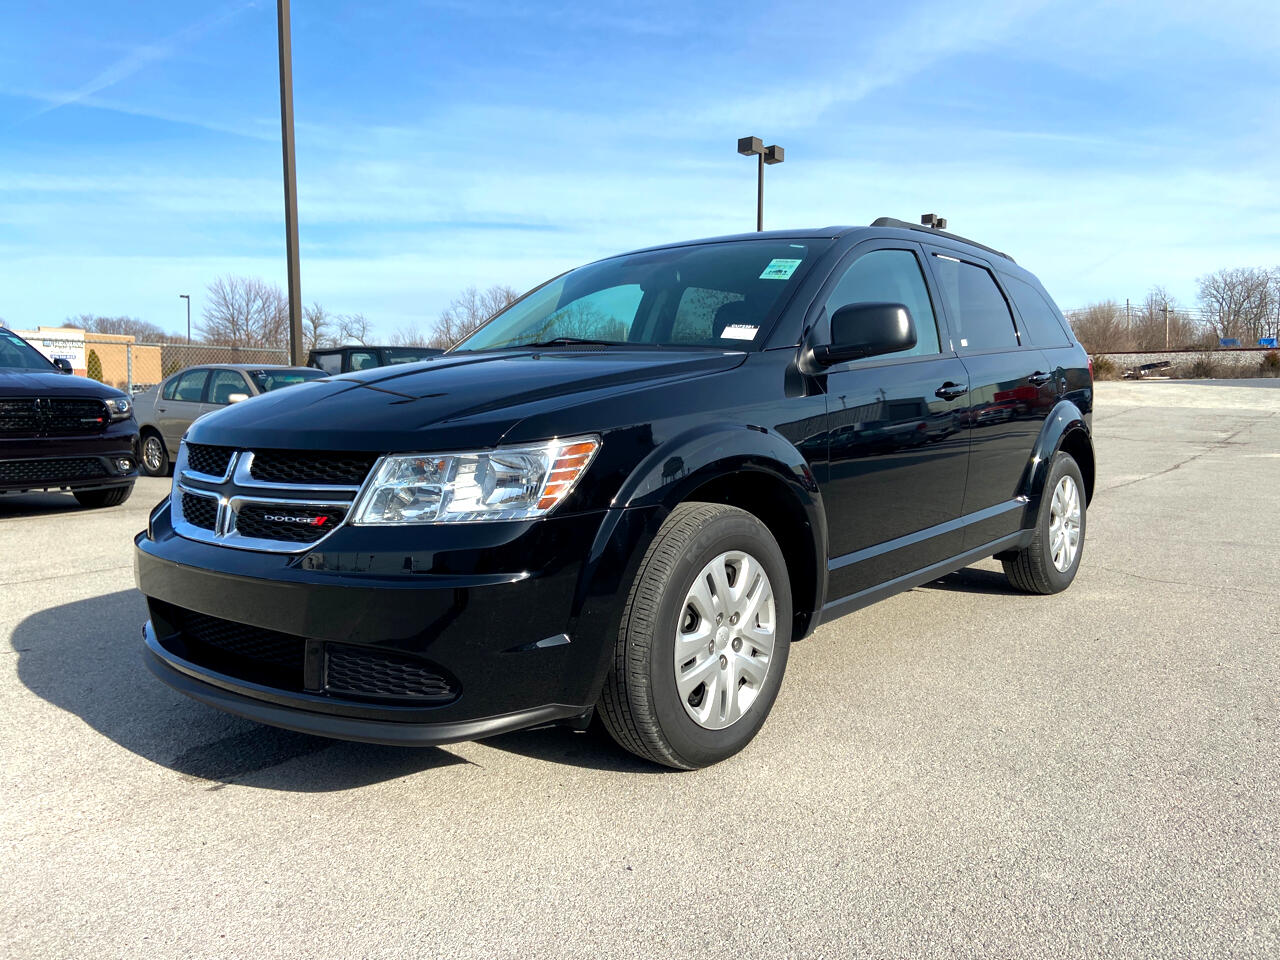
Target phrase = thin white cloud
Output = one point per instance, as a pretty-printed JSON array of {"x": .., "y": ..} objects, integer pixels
[{"x": 142, "y": 56}]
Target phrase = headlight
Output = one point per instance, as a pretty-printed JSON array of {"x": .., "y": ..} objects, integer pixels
[
  {"x": 509, "y": 483},
  {"x": 119, "y": 408}
]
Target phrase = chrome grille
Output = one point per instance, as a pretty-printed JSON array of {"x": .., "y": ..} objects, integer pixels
[{"x": 247, "y": 498}]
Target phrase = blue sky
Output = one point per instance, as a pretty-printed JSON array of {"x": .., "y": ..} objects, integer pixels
[{"x": 441, "y": 144}]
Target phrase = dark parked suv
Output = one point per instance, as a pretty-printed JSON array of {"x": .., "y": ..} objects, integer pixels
[
  {"x": 59, "y": 432},
  {"x": 628, "y": 493}
]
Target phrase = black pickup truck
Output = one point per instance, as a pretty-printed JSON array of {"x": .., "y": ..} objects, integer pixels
[
  {"x": 627, "y": 493},
  {"x": 59, "y": 432}
]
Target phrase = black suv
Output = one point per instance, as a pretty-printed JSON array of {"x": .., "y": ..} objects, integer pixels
[
  {"x": 59, "y": 432},
  {"x": 627, "y": 494}
]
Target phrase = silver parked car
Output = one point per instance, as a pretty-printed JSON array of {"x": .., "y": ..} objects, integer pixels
[{"x": 166, "y": 410}]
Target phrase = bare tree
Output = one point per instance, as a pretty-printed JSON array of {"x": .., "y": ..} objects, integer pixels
[
  {"x": 1240, "y": 302},
  {"x": 317, "y": 327},
  {"x": 140, "y": 330},
  {"x": 353, "y": 328},
  {"x": 468, "y": 310},
  {"x": 245, "y": 312},
  {"x": 1101, "y": 327},
  {"x": 409, "y": 335}
]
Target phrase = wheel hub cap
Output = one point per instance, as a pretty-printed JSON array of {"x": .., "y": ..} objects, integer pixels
[
  {"x": 1064, "y": 524},
  {"x": 725, "y": 639}
]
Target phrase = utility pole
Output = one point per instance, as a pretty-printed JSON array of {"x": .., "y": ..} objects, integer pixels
[
  {"x": 1128, "y": 316},
  {"x": 1166, "y": 324},
  {"x": 290, "y": 183},
  {"x": 187, "y": 297}
]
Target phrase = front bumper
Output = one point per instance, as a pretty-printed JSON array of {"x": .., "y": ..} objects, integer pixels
[
  {"x": 70, "y": 463},
  {"x": 497, "y": 620}
]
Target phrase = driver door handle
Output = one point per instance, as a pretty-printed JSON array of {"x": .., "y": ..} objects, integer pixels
[
  {"x": 949, "y": 391},
  {"x": 1039, "y": 378}
]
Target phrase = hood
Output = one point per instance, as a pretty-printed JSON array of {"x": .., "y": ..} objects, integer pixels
[
  {"x": 449, "y": 402},
  {"x": 38, "y": 383}
]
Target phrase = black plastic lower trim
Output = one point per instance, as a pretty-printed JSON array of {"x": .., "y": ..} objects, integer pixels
[
  {"x": 390, "y": 732},
  {"x": 864, "y": 598}
]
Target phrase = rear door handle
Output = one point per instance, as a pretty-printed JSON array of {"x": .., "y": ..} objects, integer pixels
[
  {"x": 949, "y": 391},
  {"x": 1040, "y": 378}
]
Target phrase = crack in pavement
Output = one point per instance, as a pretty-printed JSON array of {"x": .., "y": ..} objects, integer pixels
[
  {"x": 1213, "y": 445},
  {"x": 1184, "y": 583}
]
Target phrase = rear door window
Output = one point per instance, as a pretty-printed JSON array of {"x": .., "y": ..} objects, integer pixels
[
  {"x": 980, "y": 317},
  {"x": 1041, "y": 325},
  {"x": 363, "y": 360},
  {"x": 190, "y": 386}
]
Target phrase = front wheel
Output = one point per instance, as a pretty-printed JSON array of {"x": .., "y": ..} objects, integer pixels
[
  {"x": 111, "y": 497},
  {"x": 1050, "y": 563},
  {"x": 704, "y": 639}
]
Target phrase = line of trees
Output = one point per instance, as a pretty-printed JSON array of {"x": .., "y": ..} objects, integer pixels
[
  {"x": 251, "y": 312},
  {"x": 1238, "y": 302}
]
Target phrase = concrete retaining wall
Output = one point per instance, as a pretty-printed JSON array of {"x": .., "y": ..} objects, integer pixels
[{"x": 1246, "y": 358}]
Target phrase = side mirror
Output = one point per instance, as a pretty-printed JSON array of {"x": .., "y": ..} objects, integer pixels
[
  {"x": 63, "y": 364},
  {"x": 236, "y": 397},
  {"x": 867, "y": 330}
]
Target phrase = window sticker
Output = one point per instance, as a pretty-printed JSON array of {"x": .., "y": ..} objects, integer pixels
[
  {"x": 739, "y": 331},
  {"x": 779, "y": 269}
]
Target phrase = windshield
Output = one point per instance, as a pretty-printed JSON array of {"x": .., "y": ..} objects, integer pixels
[
  {"x": 17, "y": 354},
  {"x": 275, "y": 379},
  {"x": 712, "y": 294}
]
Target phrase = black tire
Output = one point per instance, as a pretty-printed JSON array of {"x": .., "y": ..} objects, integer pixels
[
  {"x": 161, "y": 455},
  {"x": 111, "y": 497},
  {"x": 1032, "y": 570},
  {"x": 640, "y": 704}
]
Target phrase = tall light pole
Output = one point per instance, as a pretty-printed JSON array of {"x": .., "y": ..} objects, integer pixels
[
  {"x": 187, "y": 297},
  {"x": 290, "y": 183},
  {"x": 754, "y": 146}
]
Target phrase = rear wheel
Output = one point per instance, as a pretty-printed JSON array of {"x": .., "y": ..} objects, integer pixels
[
  {"x": 1050, "y": 563},
  {"x": 704, "y": 639},
  {"x": 111, "y": 497},
  {"x": 155, "y": 458}
]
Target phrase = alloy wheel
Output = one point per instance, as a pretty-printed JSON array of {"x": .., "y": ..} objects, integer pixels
[{"x": 1064, "y": 524}]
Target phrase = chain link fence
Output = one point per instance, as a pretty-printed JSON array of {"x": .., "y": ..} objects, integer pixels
[{"x": 135, "y": 367}]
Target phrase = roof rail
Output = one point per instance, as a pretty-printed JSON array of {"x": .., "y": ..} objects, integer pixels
[{"x": 904, "y": 225}]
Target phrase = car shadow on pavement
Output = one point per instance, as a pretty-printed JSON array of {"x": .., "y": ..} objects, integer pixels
[
  {"x": 592, "y": 748},
  {"x": 975, "y": 580},
  {"x": 86, "y": 658},
  {"x": 37, "y": 505}
]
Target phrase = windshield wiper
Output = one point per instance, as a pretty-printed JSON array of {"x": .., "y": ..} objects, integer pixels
[{"x": 563, "y": 341}]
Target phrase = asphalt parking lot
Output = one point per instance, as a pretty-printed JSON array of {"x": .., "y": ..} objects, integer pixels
[{"x": 958, "y": 771}]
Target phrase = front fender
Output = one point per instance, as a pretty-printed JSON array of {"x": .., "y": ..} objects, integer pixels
[{"x": 671, "y": 474}]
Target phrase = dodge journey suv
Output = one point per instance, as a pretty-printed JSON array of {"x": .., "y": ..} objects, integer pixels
[{"x": 625, "y": 495}]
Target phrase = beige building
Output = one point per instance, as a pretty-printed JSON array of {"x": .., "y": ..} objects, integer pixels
[{"x": 119, "y": 355}]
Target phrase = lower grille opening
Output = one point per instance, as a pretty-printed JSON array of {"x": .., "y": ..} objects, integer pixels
[
  {"x": 51, "y": 471},
  {"x": 273, "y": 659},
  {"x": 238, "y": 650},
  {"x": 370, "y": 672}
]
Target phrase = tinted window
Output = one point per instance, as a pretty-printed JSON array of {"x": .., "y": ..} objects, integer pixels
[
  {"x": 363, "y": 360},
  {"x": 721, "y": 294},
  {"x": 329, "y": 362},
  {"x": 189, "y": 386},
  {"x": 16, "y": 353},
  {"x": 1040, "y": 324},
  {"x": 268, "y": 380},
  {"x": 224, "y": 384},
  {"x": 980, "y": 318},
  {"x": 890, "y": 276}
]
